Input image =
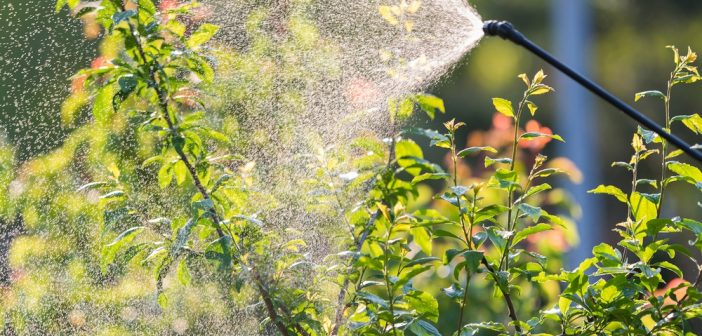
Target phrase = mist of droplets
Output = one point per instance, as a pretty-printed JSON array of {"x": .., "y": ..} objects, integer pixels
[
  {"x": 340, "y": 62},
  {"x": 304, "y": 75}
]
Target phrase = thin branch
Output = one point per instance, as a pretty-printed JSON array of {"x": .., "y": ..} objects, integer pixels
[
  {"x": 508, "y": 298},
  {"x": 163, "y": 105},
  {"x": 341, "y": 305}
]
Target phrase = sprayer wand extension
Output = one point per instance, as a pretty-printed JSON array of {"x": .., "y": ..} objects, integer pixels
[{"x": 506, "y": 31}]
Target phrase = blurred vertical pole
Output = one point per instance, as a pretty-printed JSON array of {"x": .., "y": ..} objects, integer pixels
[{"x": 576, "y": 117}]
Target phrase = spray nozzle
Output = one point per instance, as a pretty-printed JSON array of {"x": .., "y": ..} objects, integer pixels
[{"x": 502, "y": 29}]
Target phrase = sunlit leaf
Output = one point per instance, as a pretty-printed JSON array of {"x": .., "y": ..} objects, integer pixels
[{"x": 503, "y": 106}]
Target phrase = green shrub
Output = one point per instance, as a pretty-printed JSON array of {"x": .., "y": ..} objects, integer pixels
[{"x": 143, "y": 221}]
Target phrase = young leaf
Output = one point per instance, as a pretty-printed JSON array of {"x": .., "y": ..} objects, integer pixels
[
  {"x": 180, "y": 171},
  {"x": 473, "y": 258},
  {"x": 533, "y": 135},
  {"x": 610, "y": 190},
  {"x": 110, "y": 250},
  {"x": 423, "y": 328},
  {"x": 532, "y": 107},
  {"x": 429, "y": 104},
  {"x": 165, "y": 175},
  {"x": 652, "y": 93},
  {"x": 422, "y": 238},
  {"x": 503, "y": 106},
  {"x": 686, "y": 170},
  {"x": 473, "y": 150},
  {"x": 203, "y": 34},
  {"x": 642, "y": 207},
  {"x": 521, "y": 235},
  {"x": 183, "y": 273},
  {"x": 102, "y": 106},
  {"x": 429, "y": 176},
  {"x": 533, "y": 212},
  {"x": 692, "y": 122}
]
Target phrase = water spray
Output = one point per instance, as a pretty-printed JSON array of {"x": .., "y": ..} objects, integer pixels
[{"x": 507, "y": 31}]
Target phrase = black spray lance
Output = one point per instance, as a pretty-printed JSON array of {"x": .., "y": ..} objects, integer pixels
[{"x": 506, "y": 31}]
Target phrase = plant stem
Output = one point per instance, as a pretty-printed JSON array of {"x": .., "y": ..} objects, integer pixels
[
  {"x": 508, "y": 299},
  {"x": 504, "y": 261},
  {"x": 388, "y": 283},
  {"x": 463, "y": 303},
  {"x": 664, "y": 144},
  {"x": 467, "y": 233},
  {"x": 341, "y": 305}
]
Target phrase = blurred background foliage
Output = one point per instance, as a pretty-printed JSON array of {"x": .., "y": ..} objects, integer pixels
[{"x": 40, "y": 50}]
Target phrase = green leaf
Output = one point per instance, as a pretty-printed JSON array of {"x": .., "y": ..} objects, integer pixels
[
  {"x": 59, "y": 5},
  {"x": 490, "y": 161},
  {"x": 205, "y": 205},
  {"x": 423, "y": 328},
  {"x": 472, "y": 329},
  {"x": 652, "y": 93},
  {"x": 455, "y": 291},
  {"x": 372, "y": 298},
  {"x": 473, "y": 258},
  {"x": 607, "y": 255},
  {"x": 489, "y": 212},
  {"x": 533, "y": 212},
  {"x": 473, "y": 150},
  {"x": 498, "y": 237},
  {"x": 176, "y": 27},
  {"x": 429, "y": 176},
  {"x": 200, "y": 67},
  {"x": 648, "y": 136},
  {"x": 182, "y": 273},
  {"x": 534, "y": 190},
  {"x": 406, "y": 152},
  {"x": 110, "y": 250},
  {"x": 534, "y": 135},
  {"x": 162, "y": 300},
  {"x": 521, "y": 235},
  {"x": 430, "y": 104},
  {"x": 422, "y": 238},
  {"x": 113, "y": 194},
  {"x": 610, "y": 190},
  {"x": 532, "y": 107},
  {"x": 548, "y": 172},
  {"x": 406, "y": 108},
  {"x": 123, "y": 16},
  {"x": 450, "y": 254},
  {"x": 421, "y": 261},
  {"x": 91, "y": 185},
  {"x": 654, "y": 226},
  {"x": 444, "y": 233},
  {"x": 180, "y": 170},
  {"x": 686, "y": 170},
  {"x": 672, "y": 267},
  {"x": 165, "y": 175},
  {"x": 147, "y": 6},
  {"x": 503, "y": 106},
  {"x": 424, "y": 303},
  {"x": 102, "y": 106},
  {"x": 203, "y": 34},
  {"x": 642, "y": 207},
  {"x": 693, "y": 122},
  {"x": 182, "y": 236},
  {"x": 410, "y": 273}
]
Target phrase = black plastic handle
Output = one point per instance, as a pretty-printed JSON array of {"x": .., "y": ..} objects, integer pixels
[{"x": 506, "y": 31}]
